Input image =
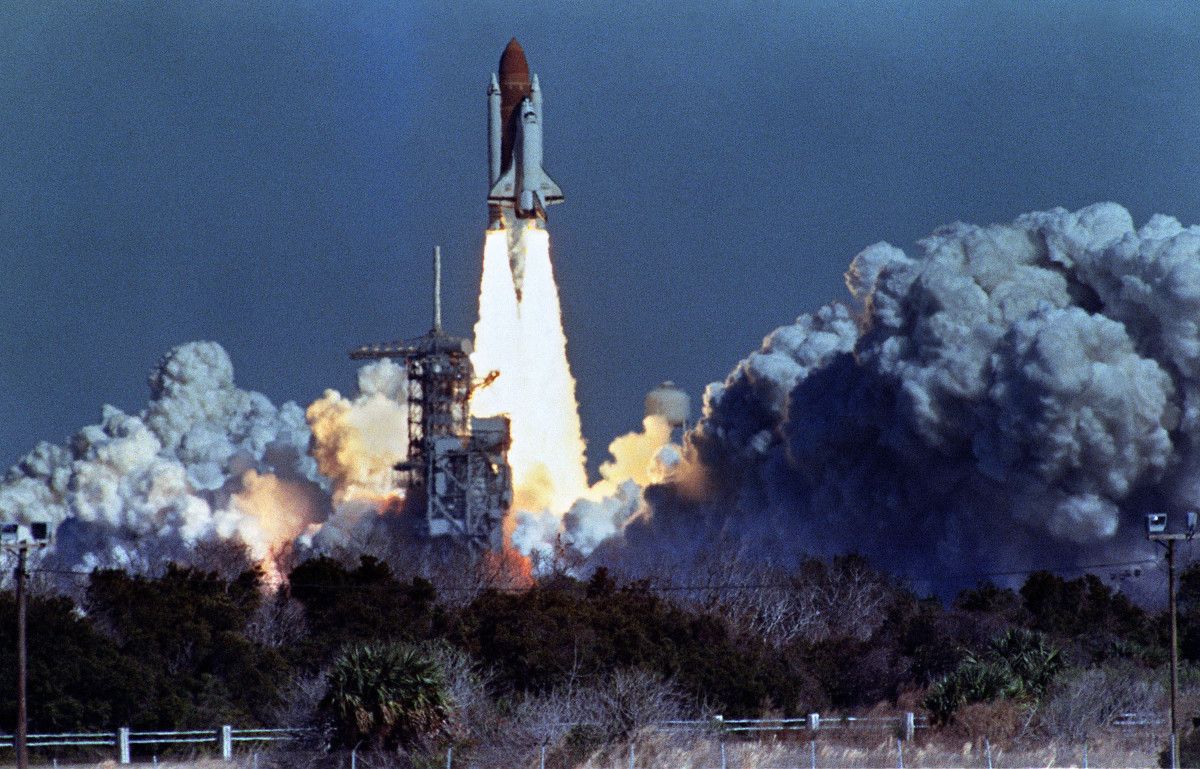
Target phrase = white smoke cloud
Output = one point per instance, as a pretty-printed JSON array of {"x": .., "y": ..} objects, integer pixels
[
  {"x": 357, "y": 443},
  {"x": 638, "y": 459},
  {"x": 207, "y": 462},
  {"x": 1003, "y": 394},
  {"x": 132, "y": 490}
]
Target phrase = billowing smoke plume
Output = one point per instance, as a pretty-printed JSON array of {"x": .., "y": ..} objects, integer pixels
[
  {"x": 193, "y": 467},
  {"x": 1011, "y": 395},
  {"x": 639, "y": 459},
  {"x": 356, "y": 444},
  {"x": 1006, "y": 396},
  {"x": 207, "y": 462}
]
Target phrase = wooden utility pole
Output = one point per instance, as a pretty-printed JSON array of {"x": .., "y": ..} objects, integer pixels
[
  {"x": 20, "y": 739},
  {"x": 1174, "y": 651},
  {"x": 1156, "y": 526},
  {"x": 20, "y": 539}
]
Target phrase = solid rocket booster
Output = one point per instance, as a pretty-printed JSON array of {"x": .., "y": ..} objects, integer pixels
[{"x": 517, "y": 181}]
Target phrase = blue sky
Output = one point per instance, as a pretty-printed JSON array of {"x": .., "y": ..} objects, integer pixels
[{"x": 272, "y": 175}]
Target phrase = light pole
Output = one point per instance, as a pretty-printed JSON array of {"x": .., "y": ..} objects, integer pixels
[
  {"x": 20, "y": 540},
  {"x": 1156, "y": 531}
]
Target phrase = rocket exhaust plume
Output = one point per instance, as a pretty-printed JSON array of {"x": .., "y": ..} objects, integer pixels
[
  {"x": 519, "y": 334},
  {"x": 524, "y": 341}
]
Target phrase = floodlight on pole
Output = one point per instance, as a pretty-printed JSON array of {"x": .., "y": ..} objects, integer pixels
[
  {"x": 20, "y": 539},
  {"x": 1156, "y": 531}
]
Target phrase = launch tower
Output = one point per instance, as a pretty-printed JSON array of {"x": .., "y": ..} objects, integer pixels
[{"x": 457, "y": 477}]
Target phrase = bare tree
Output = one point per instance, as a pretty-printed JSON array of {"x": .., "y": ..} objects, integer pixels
[
  {"x": 298, "y": 708},
  {"x": 1086, "y": 702},
  {"x": 633, "y": 699},
  {"x": 843, "y": 598},
  {"x": 467, "y": 684},
  {"x": 278, "y": 620}
]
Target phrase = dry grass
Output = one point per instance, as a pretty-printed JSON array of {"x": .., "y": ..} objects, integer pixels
[
  {"x": 667, "y": 751},
  {"x": 877, "y": 753}
]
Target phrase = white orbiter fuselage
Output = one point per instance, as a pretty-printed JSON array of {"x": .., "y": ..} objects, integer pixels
[{"x": 518, "y": 185}]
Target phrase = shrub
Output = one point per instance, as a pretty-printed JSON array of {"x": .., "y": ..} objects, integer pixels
[
  {"x": 1083, "y": 703},
  {"x": 385, "y": 696},
  {"x": 1018, "y": 665}
]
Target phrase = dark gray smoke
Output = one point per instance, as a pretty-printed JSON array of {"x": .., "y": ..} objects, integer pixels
[{"x": 1006, "y": 397}]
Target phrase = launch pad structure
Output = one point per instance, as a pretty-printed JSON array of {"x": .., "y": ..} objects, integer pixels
[{"x": 457, "y": 478}]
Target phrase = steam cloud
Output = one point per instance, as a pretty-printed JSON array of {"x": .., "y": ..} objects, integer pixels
[
  {"x": 208, "y": 462},
  {"x": 1007, "y": 395}
]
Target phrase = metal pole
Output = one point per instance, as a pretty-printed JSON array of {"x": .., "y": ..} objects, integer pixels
[
  {"x": 449, "y": 756},
  {"x": 723, "y": 764},
  {"x": 899, "y": 753},
  {"x": 812, "y": 751},
  {"x": 631, "y": 754},
  {"x": 437, "y": 289},
  {"x": 542, "y": 762},
  {"x": 1174, "y": 652},
  {"x": 20, "y": 741},
  {"x": 1085, "y": 761},
  {"x": 988, "y": 746}
]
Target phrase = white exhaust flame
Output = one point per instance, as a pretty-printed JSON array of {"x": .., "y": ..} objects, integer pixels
[{"x": 524, "y": 341}]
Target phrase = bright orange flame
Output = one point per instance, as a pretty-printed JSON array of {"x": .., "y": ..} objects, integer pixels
[
  {"x": 505, "y": 569},
  {"x": 277, "y": 512}
]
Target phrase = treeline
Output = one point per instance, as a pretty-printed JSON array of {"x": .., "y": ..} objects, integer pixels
[{"x": 193, "y": 649}]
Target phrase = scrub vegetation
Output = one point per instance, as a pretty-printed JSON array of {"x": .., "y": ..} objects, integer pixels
[{"x": 390, "y": 664}]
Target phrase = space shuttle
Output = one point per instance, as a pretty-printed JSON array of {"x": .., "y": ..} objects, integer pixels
[{"x": 518, "y": 185}]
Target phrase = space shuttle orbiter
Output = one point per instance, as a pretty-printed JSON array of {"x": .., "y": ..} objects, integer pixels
[{"x": 519, "y": 186}]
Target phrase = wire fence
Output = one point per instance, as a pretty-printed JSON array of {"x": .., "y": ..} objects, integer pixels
[
  {"x": 900, "y": 729},
  {"x": 124, "y": 740}
]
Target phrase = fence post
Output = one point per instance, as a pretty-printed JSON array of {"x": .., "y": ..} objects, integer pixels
[
  {"x": 449, "y": 756},
  {"x": 123, "y": 745},
  {"x": 226, "y": 736},
  {"x": 631, "y": 754},
  {"x": 1085, "y": 766},
  {"x": 814, "y": 721},
  {"x": 723, "y": 764},
  {"x": 542, "y": 762},
  {"x": 900, "y": 754},
  {"x": 988, "y": 745},
  {"x": 812, "y": 751},
  {"x": 910, "y": 725}
]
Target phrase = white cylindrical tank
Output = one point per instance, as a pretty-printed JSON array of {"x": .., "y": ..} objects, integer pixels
[
  {"x": 670, "y": 403},
  {"x": 494, "y": 130}
]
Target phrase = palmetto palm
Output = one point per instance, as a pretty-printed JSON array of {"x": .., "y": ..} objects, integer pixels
[{"x": 385, "y": 695}]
